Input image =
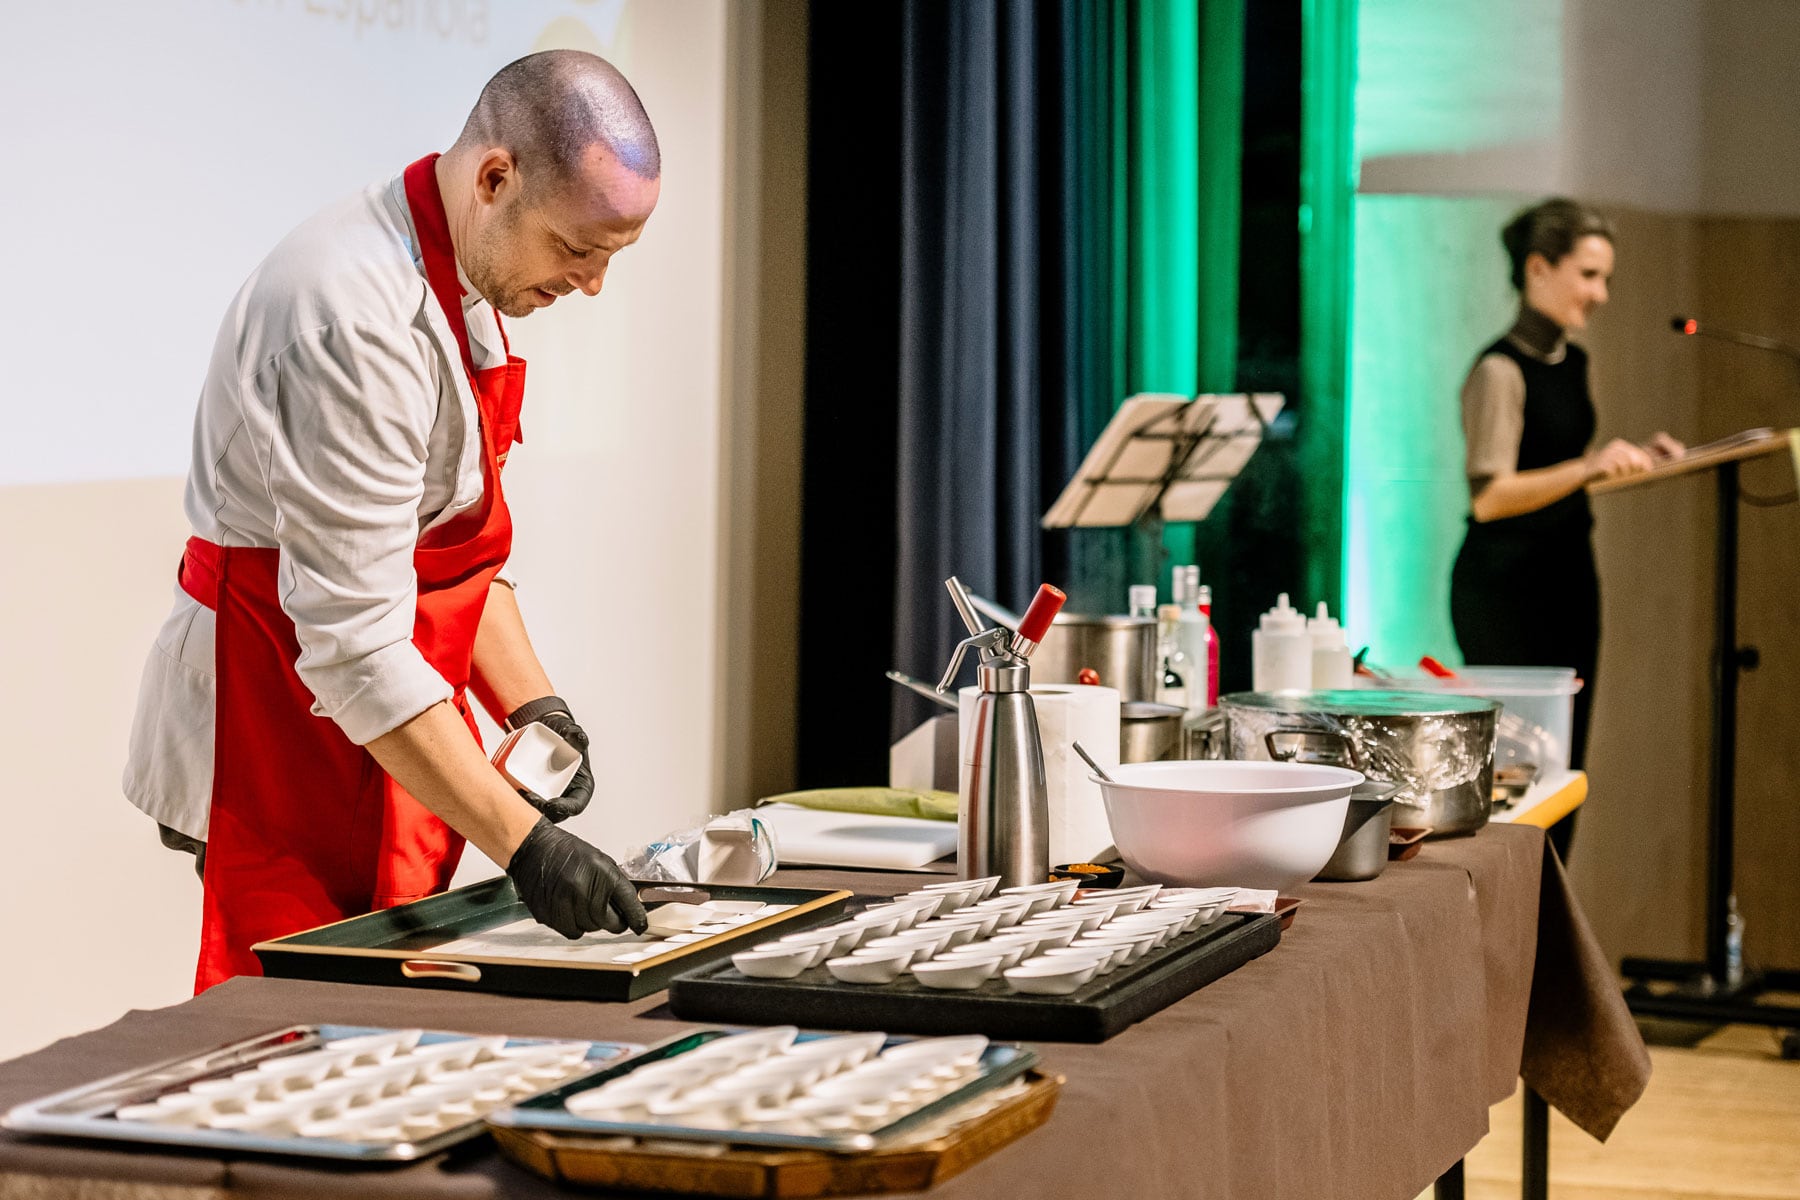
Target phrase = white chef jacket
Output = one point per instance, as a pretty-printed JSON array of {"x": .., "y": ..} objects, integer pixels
[{"x": 337, "y": 424}]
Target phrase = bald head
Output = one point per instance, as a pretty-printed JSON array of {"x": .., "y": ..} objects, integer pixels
[
  {"x": 555, "y": 172},
  {"x": 557, "y": 110}
]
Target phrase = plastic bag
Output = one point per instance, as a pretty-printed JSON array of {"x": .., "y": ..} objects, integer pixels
[{"x": 736, "y": 848}]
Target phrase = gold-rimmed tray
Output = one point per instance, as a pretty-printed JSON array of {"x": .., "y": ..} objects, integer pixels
[{"x": 405, "y": 946}]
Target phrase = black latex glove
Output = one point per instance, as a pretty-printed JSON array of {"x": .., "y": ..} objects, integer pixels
[
  {"x": 571, "y": 886},
  {"x": 575, "y": 797}
]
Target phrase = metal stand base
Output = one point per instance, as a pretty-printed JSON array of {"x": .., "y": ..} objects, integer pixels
[
  {"x": 1698, "y": 996},
  {"x": 1699, "y": 993}
]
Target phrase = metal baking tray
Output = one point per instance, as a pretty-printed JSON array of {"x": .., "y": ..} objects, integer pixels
[
  {"x": 398, "y": 945},
  {"x": 1000, "y": 1063},
  {"x": 1093, "y": 1012},
  {"x": 87, "y": 1111}
]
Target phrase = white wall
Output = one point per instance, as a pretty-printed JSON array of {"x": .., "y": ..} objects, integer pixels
[
  {"x": 1673, "y": 106},
  {"x": 169, "y": 145}
]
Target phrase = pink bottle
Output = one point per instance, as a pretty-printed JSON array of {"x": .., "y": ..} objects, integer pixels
[{"x": 1212, "y": 648}]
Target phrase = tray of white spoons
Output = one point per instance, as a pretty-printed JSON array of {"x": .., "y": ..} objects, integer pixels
[
  {"x": 343, "y": 1092},
  {"x": 1042, "y": 961},
  {"x": 776, "y": 1087}
]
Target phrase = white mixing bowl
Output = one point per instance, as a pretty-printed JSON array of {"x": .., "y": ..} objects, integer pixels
[{"x": 1243, "y": 824}]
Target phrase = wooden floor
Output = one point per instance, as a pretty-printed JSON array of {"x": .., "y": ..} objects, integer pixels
[{"x": 1720, "y": 1120}]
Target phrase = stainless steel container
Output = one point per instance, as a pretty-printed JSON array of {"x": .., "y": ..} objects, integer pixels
[
  {"x": 1439, "y": 748},
  {"x": 1149, "y": 732},
  {"x": 1005, "y": 812},
  {"x": 1363, "y": 852},
  {"x": 1122, "y": 650},
  {"x": 1003, "y": 809}
]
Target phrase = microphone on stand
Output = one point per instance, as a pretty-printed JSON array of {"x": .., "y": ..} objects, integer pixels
[{"x": 1689, "y": 327}]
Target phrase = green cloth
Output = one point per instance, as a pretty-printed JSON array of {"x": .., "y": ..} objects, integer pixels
[{"x": 876, "y": 801}]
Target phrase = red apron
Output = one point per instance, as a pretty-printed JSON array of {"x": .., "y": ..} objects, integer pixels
[{"x": 306, "y": 827}]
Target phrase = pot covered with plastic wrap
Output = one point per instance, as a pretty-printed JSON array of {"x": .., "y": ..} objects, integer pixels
[{"x": 1438, "y": 748}]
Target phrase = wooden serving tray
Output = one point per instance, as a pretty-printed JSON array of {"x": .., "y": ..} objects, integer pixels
[
  {"x": 626, "y": 1164},
  {"x": 1092, "y": 1013},
  {"x": 397, "y": 945}
]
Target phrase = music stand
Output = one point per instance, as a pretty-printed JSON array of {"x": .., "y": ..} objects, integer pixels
[
  {"x": 1703, "y": 991},
  {"x": 1163, "y": 453}
]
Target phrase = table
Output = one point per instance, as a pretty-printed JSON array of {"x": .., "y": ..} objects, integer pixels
[
  {"x": 1357, "y": 1059},
  {"x": 1547, "y": 800}
]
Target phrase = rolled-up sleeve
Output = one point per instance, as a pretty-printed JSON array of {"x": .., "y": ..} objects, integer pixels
[
  {"x": 1493, "y": 419},
  {"x": 351, "y": 410}
]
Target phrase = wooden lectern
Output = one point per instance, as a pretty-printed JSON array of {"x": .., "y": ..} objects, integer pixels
[{"x": 1703, "y": 991}]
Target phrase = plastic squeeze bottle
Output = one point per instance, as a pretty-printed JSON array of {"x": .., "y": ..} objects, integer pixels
[
  {"x": 1330, "y": 653},
  {"x": 1281, "y": 650}
]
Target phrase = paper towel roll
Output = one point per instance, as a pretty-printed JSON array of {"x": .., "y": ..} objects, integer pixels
[{"x": 1066, "y": 713}]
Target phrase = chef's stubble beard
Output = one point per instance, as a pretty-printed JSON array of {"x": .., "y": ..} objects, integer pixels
[{"x": 489, "y": 250}]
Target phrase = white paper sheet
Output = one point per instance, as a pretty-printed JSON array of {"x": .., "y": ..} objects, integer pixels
[{"x": 835, "y": 839}]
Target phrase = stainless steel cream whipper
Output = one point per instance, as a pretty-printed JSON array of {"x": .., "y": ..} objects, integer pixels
[{"x": 1003, "y": 824}]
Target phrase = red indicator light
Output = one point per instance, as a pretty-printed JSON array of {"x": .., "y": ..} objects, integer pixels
[{"x": 1690, "y": 326}]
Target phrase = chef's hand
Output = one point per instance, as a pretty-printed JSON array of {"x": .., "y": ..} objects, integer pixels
[
  {"x": 575, "y": 797},
  {"x": 571, "y": 886},
  {"x": 1617, "y": 459},
  {"x": 1664, "y": 448}
]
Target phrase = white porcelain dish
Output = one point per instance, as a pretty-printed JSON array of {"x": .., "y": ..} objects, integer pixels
[
  {"x": 1109, "y": 956},
  {"x": 1009, "y": 954},
  {"x": 875, "y": 967},
  {"x": 957, "y": 974},
  {"x": 987, "y": 884},
  {"x": 1244, "y": 824},
  {"x": 782, "y": 962},
  {"x": 533, "y": 757},
  {"x": 1051, "y": 976}
]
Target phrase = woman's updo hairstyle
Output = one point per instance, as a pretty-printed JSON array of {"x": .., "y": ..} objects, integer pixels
[{"x": 1550, "y": 229}]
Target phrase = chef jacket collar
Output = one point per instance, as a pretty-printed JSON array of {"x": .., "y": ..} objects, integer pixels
[{"x": 396, "y": 196}]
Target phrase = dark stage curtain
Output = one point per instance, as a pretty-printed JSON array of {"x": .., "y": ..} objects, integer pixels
[
  {"x": 1006, "y": 325},
  {"x": 971, "y": 328},
  {"x": 969, "y": 447}
]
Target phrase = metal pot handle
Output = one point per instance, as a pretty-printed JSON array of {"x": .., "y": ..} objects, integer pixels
[{"x": 1296, "y": 745}]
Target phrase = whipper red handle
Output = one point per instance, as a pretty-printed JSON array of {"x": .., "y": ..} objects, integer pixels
[{"x": 1044, "y": 607}]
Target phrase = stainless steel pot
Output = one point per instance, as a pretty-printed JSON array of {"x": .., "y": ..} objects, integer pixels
[
  {"x": 1439, "y": 748},
  {"x": 1122, "y": 650},
  {"x": 1149, "y": 732}
]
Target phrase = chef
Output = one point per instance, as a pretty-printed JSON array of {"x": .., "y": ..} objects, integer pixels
[{"x": 304, "y": 723}]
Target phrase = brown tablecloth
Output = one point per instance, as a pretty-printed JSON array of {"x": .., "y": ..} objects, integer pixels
[{"x": 1357, "y": 1059}]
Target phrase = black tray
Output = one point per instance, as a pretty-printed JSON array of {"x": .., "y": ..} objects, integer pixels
[
  {"x": 395, "y": 945},
  {"x": 1092, "y": 1013}
]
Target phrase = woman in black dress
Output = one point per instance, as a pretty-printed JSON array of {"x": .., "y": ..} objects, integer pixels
[{"x": 1524, "y": 591}]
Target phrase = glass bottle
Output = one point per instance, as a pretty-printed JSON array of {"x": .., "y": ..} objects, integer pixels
[{"x": 1173, "y": 680}]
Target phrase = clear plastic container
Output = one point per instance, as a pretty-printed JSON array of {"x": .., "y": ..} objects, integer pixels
[{"x": 1539, "y": 700}]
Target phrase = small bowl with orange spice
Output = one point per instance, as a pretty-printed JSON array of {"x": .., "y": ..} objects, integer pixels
[{"x": 1091, "y": 875}]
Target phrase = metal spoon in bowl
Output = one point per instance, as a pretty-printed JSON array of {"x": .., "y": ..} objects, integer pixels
[{"x": 1089, "y": 760}]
